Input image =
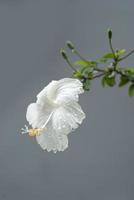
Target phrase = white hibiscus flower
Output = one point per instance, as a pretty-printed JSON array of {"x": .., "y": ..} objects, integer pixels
[{"x": 55, "y": 114}]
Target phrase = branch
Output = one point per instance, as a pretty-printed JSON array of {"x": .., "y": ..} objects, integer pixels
[{"x": 131, "y": 52}]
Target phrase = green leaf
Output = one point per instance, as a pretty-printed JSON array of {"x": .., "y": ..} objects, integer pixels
[
  {"x": 110, "y": 81},
  {"x": 131, "y": 90},
  {"x": 77, "y": 74},
  {"x": 123, "y": 81},
  {"x": 86, "y": 84},
  {"x": 103, "y": 82},
  {"x": 85, "y": 63},
  {"x": 130, "y": 70},
  {"x": 112, "y": 74},
  {"x": 86, "y": 70},
  {"x": 103, "y": 60},
  {"x": 120, "y": 52},
  {"x": 108, "y": 56}
]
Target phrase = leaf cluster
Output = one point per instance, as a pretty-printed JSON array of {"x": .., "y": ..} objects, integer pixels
[{"x": 86, "y": 70}]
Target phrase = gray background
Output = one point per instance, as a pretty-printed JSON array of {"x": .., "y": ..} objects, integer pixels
[{"x": 99, "y": 163}]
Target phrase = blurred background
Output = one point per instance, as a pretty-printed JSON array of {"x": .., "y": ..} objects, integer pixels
[{"x": 99, "y": 162}]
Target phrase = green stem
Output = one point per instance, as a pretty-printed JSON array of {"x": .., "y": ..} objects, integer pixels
[
  {"x": 98, "y": 69},
  {"x": 131, "y": 52},
  {"x": 71, "y": 66},
  {"x": 99, "y": 75},
  {"x": 79, "y": 55},
  {"x": 112, "y": 49}
]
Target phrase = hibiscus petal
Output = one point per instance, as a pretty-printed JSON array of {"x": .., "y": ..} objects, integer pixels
[
  {"x": 47, "y": 94},
  {"x": 61, "y": 91},
  {"x": 67, "y": 118},
  {"x": 68, "y": 89},
  {"x": 38, "y": 115},
  {"x": 51, "y": 141}
]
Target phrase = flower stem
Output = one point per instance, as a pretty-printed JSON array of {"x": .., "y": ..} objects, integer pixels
[
  {"x": 71, "y": 66},
  {"x": 79, "y": 55},
  {"x": 112, "y": 49}
]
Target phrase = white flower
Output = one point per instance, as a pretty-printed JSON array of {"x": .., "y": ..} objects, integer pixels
[{"x": 55, "y": 114}]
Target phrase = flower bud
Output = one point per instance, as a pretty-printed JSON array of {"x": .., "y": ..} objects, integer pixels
[
  {"x": 110, "y": 34},
  {"x": 70, "y": 45},
  {"x": 63, "y": 53}
]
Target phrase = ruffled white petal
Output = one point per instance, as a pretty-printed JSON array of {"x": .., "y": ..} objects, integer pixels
[
  {"x": 67, "y": 118},
  {"x": 62, "y": 91},
  {"x": 47, "y": 94},
  {"x": 52, "y": 141},
  {"x": 68, "y": 89},
  {"x": 38, "y": 115}
]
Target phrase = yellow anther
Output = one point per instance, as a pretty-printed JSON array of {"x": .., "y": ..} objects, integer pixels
[{"x": 34, "y": 131}]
